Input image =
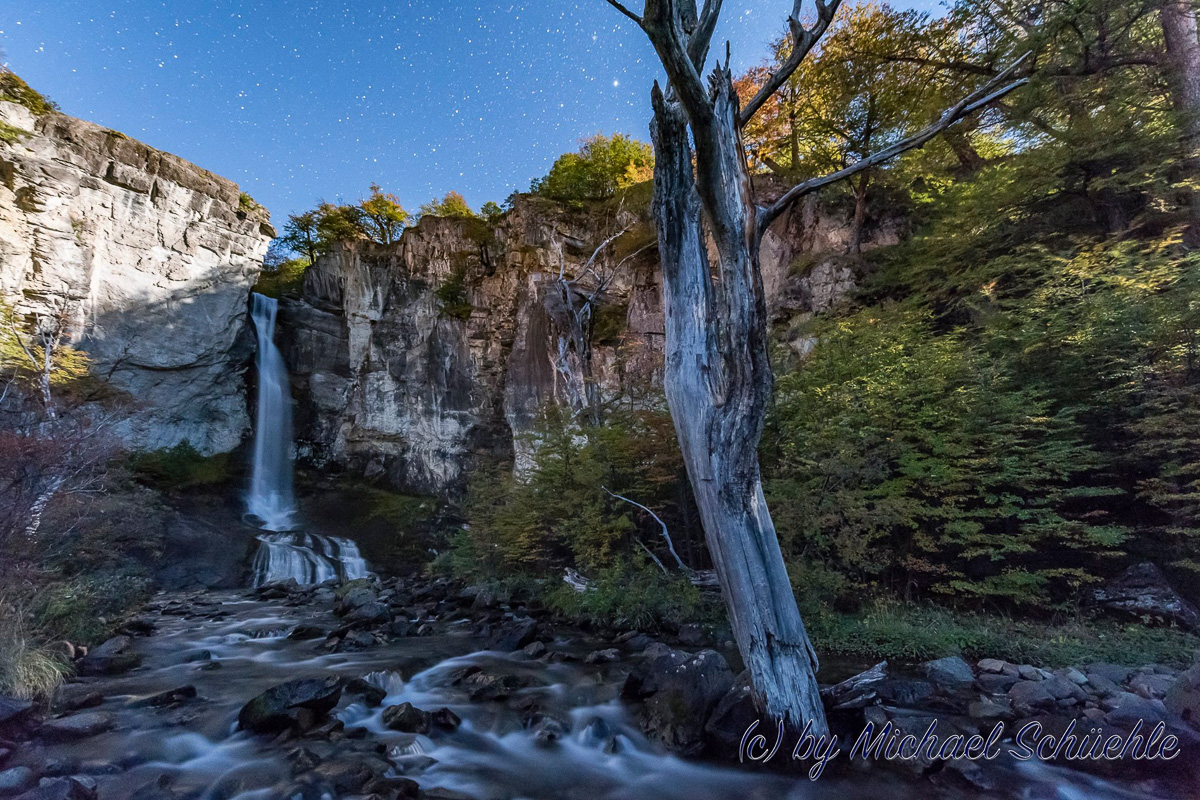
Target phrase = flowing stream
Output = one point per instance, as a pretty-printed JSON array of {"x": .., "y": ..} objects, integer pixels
[{"x": 230, "y": 647}]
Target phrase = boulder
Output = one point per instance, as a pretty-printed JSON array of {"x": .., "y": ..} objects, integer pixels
[
  {"x": 76, "y": 787},
  {"x": 1028, "y": 696},
  {"x": 950, "y": 671},
  {"x": 110, "y": 658},
  {"x": 1143, "y": 591},
  {"x": 407, "y": 718},
  {"x": 76, "y": 726},
  {"x": 16, "y": 779},
  {"x": 14, "y": 710},
  {"x": 1126, "y": 709},
  {"x": 371, "y": 694},
  {"x": 513, "y": 635},
  {"x": 679, "y": 692},
  {"x": 276, "y": 709},
  {"x": 368, "y": 615},
  {"x": 732, "y": 715},
  {"x": 1183, "y": 698}
]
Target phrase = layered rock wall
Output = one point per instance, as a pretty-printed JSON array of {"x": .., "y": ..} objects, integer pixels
[
  {"x": 149, "y": 258},
  {"x": 396, "y": 376}
]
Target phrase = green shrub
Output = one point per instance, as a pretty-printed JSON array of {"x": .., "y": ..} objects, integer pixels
[
  {"x": 453, "y": 296},
  {"x": 630, "y": 598},
  {"x": 15, "y": 90},
  {"x": 247, "y": 204},
  {"x": 285, "y": 280},
  {"x": 11, "y": 133}
]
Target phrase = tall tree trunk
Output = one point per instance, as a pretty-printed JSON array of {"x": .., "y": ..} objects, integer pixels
[
  {"x": 968, "y": 157},
  {"x": 1178, "y": 20},
  {"x": 718, "y": 381},
  {"x": 860, "y": 213}
]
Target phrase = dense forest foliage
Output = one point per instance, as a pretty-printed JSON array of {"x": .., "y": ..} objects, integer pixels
[{"x": 1006, "y": 412}]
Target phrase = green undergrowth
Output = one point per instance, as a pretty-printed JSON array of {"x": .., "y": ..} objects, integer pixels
[
  {"x": 908, "y": 633},
  {"x": 182, "y": 468}
]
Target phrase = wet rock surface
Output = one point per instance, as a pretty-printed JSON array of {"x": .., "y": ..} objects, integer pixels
[{"x": 557, "y": 713}]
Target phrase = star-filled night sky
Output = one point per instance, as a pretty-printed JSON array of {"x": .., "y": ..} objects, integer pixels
[{"x": 298, "y": 100}]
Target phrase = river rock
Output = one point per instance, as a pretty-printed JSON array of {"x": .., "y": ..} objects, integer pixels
[
  {"x": 949, "y": 671},
  {"x": 1143, "y": 591},
  {"x": 371, "y": 694},
  {"x": 342, "y": 776},
  {"x": 1126, "y": 708},
  {"x": 77, "y": 726},
  {"x": 1112, "y": 672},
  {"x": 1028, "y": 696},
  {"x": 678, "y": 691},
  {"x": 110, "y": 658},
  {"x": 732, "y": 715},
  {"x": 1183, "y": 698},
  {"x": 171, "y": 697},
  {"x": 275, "y": 709},
  {"x": 16, "y": 779},
  {"x": 407, "y": 718},
  {"x": 603, "y": 656},
  {"x": 13, "y": 709},
  {"x": 1151, "y": 686},
  {"x": 368, "y": 615},
  {"x": 446, "y": 719},
  {"x": 513, "y": 635},
  {"x": 76, "y": 787},
  {"x": 355, "y": 594}
]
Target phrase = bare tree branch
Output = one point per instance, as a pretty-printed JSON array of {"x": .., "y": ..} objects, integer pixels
[
  {"x": 653, "y": 557},
  {"x": 665, "y": 533},
  {"x": 702, "y": 36},
  {"x": 626, "y": 12},
  {"x": 986, "y": 94},
  {"x": 803, "y": 40}
]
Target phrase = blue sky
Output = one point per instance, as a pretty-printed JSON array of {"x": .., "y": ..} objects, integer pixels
[{"x": 300, "y": 101}]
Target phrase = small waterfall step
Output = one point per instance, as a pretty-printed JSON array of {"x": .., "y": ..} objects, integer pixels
[{"x": 307, "y": 557}]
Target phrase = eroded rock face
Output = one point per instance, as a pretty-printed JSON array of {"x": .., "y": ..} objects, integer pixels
[
  {"x": 399, "y": 371},
  {"x": 409, "y": 360},
  {"x": 150, "y": 259}
]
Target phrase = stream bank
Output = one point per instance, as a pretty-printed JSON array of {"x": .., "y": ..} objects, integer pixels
[{"x": 504, "y": 701}]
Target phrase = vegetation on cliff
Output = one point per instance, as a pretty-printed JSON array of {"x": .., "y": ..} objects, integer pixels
[{"x": 1003, "y": 417}]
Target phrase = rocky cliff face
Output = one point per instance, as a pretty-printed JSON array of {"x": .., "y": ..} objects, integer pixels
[
  {"x": 409, "y": 360},
  {"x": 150, "y": 259}
]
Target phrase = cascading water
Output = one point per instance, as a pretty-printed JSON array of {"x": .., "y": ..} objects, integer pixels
[
  {"x": 308, "y": 558},
  {"x": 283, "y": 554},
  {"x": 271, "y": 499}
]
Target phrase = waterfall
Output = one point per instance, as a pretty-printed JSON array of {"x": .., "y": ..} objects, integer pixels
[
  {"x": 285, "y": 553},
  {"x": 271, "y": 499}
]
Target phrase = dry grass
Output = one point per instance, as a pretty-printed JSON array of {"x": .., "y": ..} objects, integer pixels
[{"x": 28, "y": 669}]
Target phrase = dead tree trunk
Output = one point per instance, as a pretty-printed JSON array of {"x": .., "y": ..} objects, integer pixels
[
  {"x": 717, "y": 374},
  {"x": 1178, "y": 20}
]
